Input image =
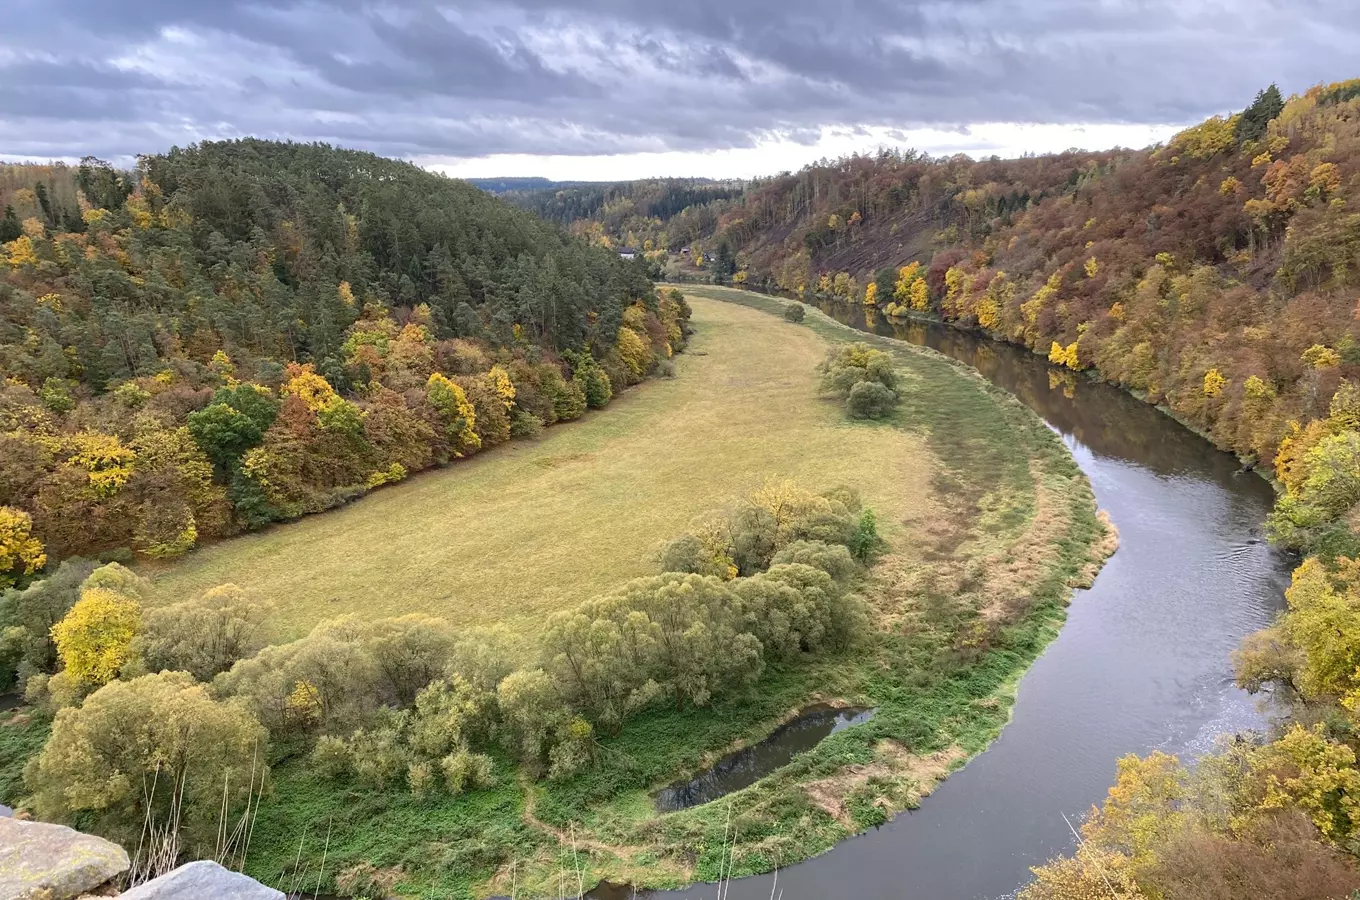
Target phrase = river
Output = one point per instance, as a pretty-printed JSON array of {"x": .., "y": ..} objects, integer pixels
[{"x": 1143, "y": 662}]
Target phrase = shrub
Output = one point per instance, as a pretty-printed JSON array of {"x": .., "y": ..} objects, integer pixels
[
  {"x": 687, "y": 553},
  {"x": 833, "y": 559},
  {"x": 525, "y": 424},
  {"x": 104, "y": 754},
  {"x": 203, "y": 636},
  {"x": 870, "y": 400},
  {"x": 794, "y": 312}
]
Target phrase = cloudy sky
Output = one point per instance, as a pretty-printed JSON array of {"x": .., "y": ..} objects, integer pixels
[{"x": 630, "y": 88}]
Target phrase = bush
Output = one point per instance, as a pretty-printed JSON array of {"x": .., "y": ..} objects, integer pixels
[
  {"x": 794, "y": 312},
  {"x": 103, "y": 756},
  {"x": 833, "y": 559},
  {"x": 688, "y": 554},
  {"x": 525, "y": 424},
  {"x": 870, "y": 400}
]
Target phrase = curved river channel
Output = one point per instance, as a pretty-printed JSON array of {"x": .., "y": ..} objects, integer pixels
[{"x": 1142, "y": 663}]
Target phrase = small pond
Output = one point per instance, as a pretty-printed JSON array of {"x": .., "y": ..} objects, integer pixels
[{"x": 745, "y": 767}]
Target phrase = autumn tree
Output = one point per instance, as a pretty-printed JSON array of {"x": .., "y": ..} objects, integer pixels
[
  {"x": 21, "y": 554},
  {"x": 202, "y": 636},
  {"x": 94, "y": 639},
  {"x": 147, "y": 747}
]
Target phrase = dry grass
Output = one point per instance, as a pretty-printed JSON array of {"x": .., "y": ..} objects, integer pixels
[{"x": 532, "y": 527}]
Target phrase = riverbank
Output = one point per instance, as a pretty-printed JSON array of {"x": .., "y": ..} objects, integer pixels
[{"x": 1142, "y": 663}]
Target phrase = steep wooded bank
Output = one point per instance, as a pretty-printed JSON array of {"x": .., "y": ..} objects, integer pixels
[
  {"x": 1218, "y": 274},
  {"x": 248, "y": 331}
]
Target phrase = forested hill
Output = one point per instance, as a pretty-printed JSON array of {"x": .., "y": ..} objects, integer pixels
[
  {"x": 653, "y": 213},
  {"x": 244, "y": 331},
  {"x": 1218, "y": 274}
]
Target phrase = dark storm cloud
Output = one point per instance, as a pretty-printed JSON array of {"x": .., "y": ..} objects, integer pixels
[{"x": 447, "y": 79}]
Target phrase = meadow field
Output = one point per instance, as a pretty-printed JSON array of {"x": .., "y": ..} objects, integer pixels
[{"x": 536, "y": 526}]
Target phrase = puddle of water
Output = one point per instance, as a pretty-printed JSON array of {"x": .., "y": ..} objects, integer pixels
[{"x": 747, "y": 766}]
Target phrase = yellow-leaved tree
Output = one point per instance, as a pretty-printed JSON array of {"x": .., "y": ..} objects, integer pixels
[
  {"x": 21, "y": 554},
  {"x": 456, "y": 412},
  {"x": 94, "y": 638}
]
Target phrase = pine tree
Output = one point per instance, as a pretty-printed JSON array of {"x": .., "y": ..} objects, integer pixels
[
  {"x": 10, "y": 229},
  {"x": 1252, "y": 125}
]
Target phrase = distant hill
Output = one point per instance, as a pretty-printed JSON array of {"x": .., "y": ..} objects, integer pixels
[
  {"x": 506, "y": 185},
  {"x": 666, "y": 213}
]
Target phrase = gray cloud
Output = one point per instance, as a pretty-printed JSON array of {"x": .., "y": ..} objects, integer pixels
[{"x": 429, "y": 79}]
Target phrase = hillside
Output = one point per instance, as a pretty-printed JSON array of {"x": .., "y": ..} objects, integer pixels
[
  {"x": 248, "y": 331},
  {"x": 653, "y": 214},
  {"x": 1217, "y": 275}
]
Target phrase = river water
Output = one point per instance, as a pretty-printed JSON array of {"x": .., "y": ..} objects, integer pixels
[{"x": 1142, "y": 663}]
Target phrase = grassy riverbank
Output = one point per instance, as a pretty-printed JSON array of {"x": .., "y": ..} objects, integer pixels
[{"x": 989, "y": 525}]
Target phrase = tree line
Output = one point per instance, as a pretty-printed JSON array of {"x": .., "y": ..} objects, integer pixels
[{"x": 245, "y": 332}]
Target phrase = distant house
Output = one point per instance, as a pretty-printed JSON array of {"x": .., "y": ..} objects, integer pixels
[{"x": 628, "y": 252}]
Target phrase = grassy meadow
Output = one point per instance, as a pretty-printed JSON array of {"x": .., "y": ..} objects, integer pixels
[
  {"x": 989, "y": 526},
  {"x": 536, "y": 526}
]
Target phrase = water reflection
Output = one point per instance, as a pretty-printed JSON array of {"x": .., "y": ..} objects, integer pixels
[{"x": 1142, "y": 663}]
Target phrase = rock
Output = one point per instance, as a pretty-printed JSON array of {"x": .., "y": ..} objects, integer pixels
[
  {"x": 200, "y": 881},
  {"x": 53, "y": 862}
]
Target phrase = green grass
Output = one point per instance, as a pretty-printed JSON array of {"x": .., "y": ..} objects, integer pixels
[
  {"x": 532, "y": 527},
  {"x": 989, "y": 522},
  {"x": 22, "y": 735}
]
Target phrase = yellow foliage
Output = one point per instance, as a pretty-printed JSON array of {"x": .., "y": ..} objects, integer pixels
[
  {"x": 907, "y": 276},
  {"x": 1321, "y": 357},
  {"x": 140, "y": 212},
  {"x": 1117, "y": 312},
  {"x": 313, "y": 390},
  {"x": 1064, "y": 356},
  {"x": 1209, "y": 138},
  {"x": 93, "y": 639},
  {"x": 1257, "y": 388},
  {"x": 1031, "y": 307},
  {"x": 1306, "y": 769},
  {"x": 502, "y": 385},
  {"x": 871, "y": 294},
  {"x": 635, "y": 351},
  {"x": 458, "y": 413},
  {"x": 346, "y": 294},
  {"x": 1229, "y": 186},
  {"x": 104, "y": 457},
  {"x": 1262, "y": 159},
  {"x": 20, "y": 252},
  {"x": 920, "y": 295},
  {"x": 20, "y": 552},
  {"x": 303, "y": 702},
  {"x": 1092, "y": 266},
  {"x": 1214, "y": 382}
]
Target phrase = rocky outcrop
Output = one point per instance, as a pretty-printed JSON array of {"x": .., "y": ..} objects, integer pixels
[
  {"x": 39, "y": 861},
  {"x": 199, "y": 881}
]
